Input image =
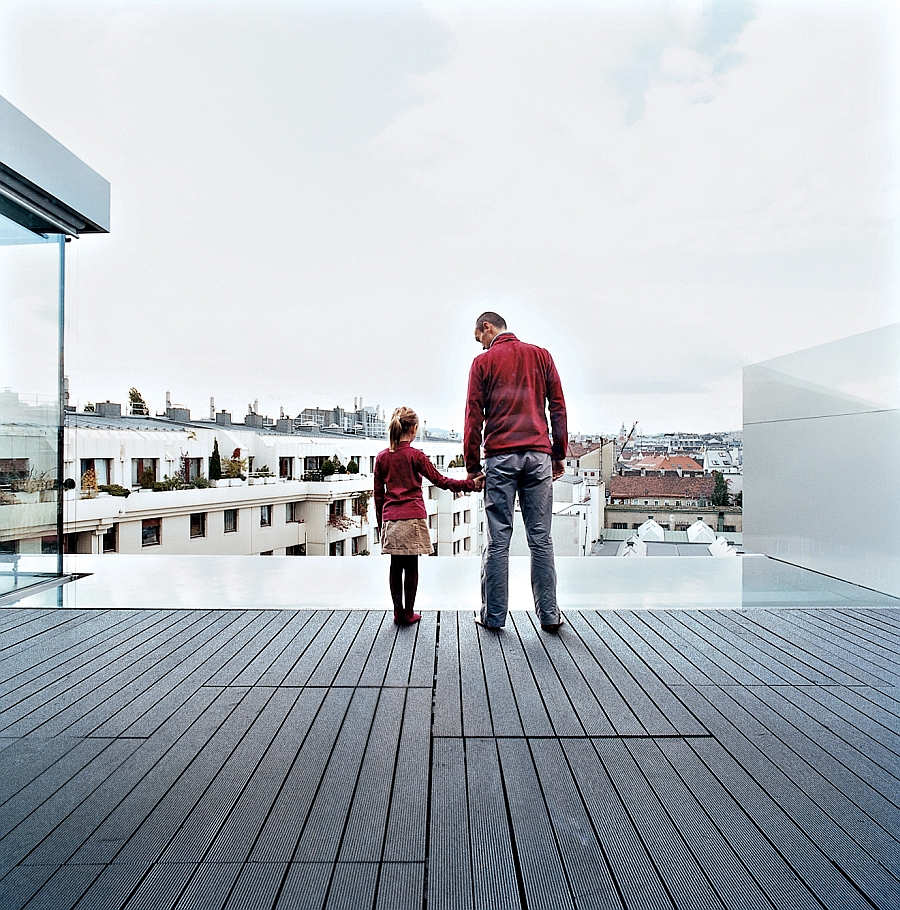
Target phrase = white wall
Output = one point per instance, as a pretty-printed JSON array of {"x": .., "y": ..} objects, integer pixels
[{"x": 821, "y": 444}]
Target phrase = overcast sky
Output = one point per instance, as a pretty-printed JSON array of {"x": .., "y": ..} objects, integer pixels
[{"x": 313, "y": 202}]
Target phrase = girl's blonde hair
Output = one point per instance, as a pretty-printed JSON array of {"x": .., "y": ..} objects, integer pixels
[{"x": 402, "y": 421}]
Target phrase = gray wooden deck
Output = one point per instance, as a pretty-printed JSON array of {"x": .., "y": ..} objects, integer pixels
[{"x": 280, "y": 759}]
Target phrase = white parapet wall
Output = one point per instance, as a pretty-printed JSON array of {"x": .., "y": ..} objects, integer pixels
[{"x": 821, "y": 444}]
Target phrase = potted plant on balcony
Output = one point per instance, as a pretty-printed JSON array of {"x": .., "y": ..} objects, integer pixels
[
  {"x": 215, "y": 463},
  {"x": 233, "y": 470}
]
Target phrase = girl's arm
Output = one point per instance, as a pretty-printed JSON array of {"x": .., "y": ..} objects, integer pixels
[
  {"x": 378, "y": 491},
  {"x": 427, "y": 469}
]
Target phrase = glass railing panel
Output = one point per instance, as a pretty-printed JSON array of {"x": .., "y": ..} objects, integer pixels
[{"x": 29, "y": 405}]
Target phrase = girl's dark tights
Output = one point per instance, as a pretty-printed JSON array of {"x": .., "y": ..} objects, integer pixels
[{"x": 400, "y": 586}]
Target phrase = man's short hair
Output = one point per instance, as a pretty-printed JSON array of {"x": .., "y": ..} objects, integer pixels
[{"x": 497, "y": 321}]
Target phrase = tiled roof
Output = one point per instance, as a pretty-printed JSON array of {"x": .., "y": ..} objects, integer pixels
[
  {"x": 579, "y": 450},
  {"x": 661, "y": 485},
  {"x": 661, "y": 463}
]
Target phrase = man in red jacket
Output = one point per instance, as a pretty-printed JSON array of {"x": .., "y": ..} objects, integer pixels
[{"x": 511, "y": 385}]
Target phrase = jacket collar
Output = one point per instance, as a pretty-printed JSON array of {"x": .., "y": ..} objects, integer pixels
[{"x": 503, "y": 336}]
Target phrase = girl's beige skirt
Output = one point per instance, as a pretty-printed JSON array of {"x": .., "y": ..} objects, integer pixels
[{"x": 406, "y": 537}]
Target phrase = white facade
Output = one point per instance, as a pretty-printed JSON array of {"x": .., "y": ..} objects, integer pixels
[
  {"x": 278, "y": 518},
  {"x": 455, "y": 520},
  {"x": 829, "y": 400}
]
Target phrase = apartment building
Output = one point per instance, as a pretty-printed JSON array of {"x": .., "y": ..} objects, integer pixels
[{"x": 281, "y": 505}]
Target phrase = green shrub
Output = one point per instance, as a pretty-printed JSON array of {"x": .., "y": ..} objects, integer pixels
[
  {"x": 114, "y": 489},
  {"x": 215, "y": 462}
]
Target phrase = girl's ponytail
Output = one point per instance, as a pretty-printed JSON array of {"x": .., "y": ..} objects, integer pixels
[{"x": 402, "y": 421}]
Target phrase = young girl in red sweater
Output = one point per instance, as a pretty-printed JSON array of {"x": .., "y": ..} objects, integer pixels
[{"x": 400, "y": 509}]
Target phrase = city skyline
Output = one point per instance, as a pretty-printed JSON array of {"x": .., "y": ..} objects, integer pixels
[
  {"x": 254, "y": 407},
  {"x": 311, "y": 201}
]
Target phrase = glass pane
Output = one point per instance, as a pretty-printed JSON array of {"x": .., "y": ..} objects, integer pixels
[{"x": 29, "y": 407}]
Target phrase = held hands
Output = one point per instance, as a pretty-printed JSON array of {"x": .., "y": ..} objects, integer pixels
[{"x": 478, "y": 480}]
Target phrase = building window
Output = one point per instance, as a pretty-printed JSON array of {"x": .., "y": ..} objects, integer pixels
[
  {"x": 292, "y": 512},
  {"x": 467, "y": 543},
  {"x": 359, "y": 545},
  {"x": 336, "y": 509},
  {"x": 360, "y": 505},
  {"x": 286, "y": 468},
  {"x": 144, "y": 466},
  {"x": 191, "y": 468},
  {"x": 620, "y": 525},
  {"x": 456, "y": 519},
  {"x": 298, "y": 549},
  {"x": 230, "y": 520},
  {"x": 456, "y": 548},
  {"x": 100, "y": 467},
  {"x": 337, "y": 548},
  {"x": 314, "y": 462},
  {"x": 265, "y": 516},
  {"x": 151, "y": 532},
  {"x": 729, "y": 528},
  {"x": 198, "y": 524},
  {"x": 467, "y": 516},
  {"x": 432, "y": 522},
  {"x": 110, "y": 539}
]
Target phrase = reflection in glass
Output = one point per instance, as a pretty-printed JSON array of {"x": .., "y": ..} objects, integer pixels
[{"x": 30, "y": 272}]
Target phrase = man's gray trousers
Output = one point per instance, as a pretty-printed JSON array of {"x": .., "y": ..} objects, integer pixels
[{"x": 530, "y": 474}]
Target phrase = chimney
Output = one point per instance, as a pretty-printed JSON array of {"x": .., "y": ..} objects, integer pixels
[
  {"x": 168, "y": 401},
  {"x": 212, "y": 408},
  {"x": 255, "y": 405}
]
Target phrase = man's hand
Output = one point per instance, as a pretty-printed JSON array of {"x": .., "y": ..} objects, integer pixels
[
  {"x": 559, "y": 468},
  {"x": 478, "y": 479}
]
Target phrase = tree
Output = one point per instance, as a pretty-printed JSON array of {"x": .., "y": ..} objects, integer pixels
[
  {"x": 458, "y": 462},
  {"x": 328, "y": 468},
  {"x": 138, "y": 405},
  {"x": 352, "y": 467},
  {"x": 88, "y": 408},
  {"x": 720, "y": 491},
  {"x": 215, "y": 462},
  {"x": 739, "y": 499}
]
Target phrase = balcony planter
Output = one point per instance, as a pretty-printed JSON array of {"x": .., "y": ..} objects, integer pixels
[
  {"x": 262, "y": 478},
  {"x": 230, "y": 482}
]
